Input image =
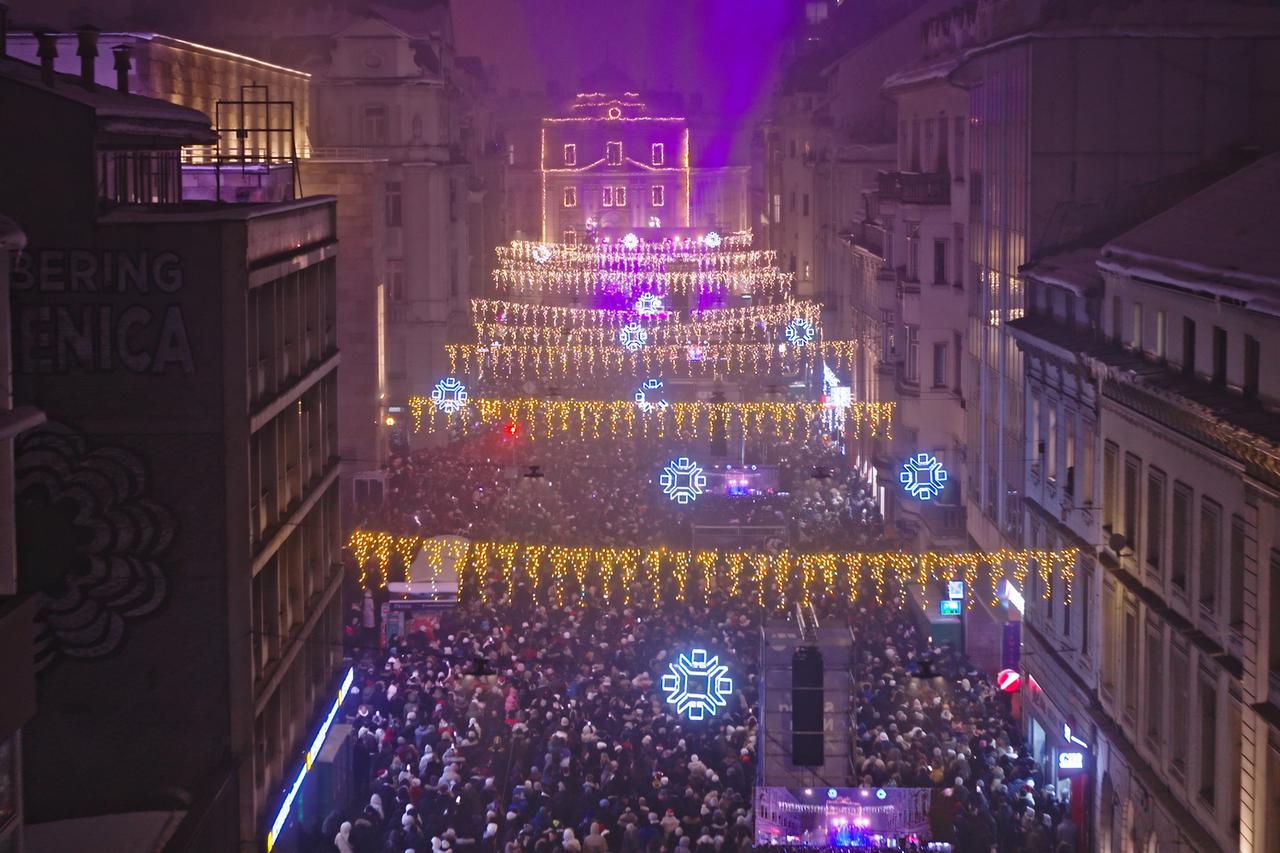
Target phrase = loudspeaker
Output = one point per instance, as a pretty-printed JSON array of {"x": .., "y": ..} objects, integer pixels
[{"x": 806, "y": 707}]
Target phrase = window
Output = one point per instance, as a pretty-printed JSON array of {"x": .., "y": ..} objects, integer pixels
[
  {"x": 1188, "y": 346},
  {"x": 1208, "y": 740},
  {"x": 1161, "y": 335},
  {"x": 1219, "y": 355},
  {"x": 804, "y": 209},
  {"x": 395, "y": 280},
  {"x": 1274, "y": 605},
  {"x": 1236, "y": 569},
  {"x": 1155, "y": 685},
  {"x": 570, "y": 196},
  {"x": 958, "y": 351},
  {"x": 1210, "y": 551},
  {"x": 570, "y": 237},
  {"x": 807, "y": 268},
  {"x": 606, "y": 196},
  {"x": 570, "y": 154},
  {"x": 940, "y": 364},
  {"x": 1070, "y": 487},
  {"x": 957, "y": 265},
  {"x": 1086, "y": 583},
  {"x": 613, "y": 153},
  {"x": 1131, "y": 679},
  {"x": 913, "y": 354},
  {"x": 793, "y": 201},
  {"x": 620, "y": 196},
  {"x": 1132, "y": 465},
  {"x": 1252, "y": 358},
  {"x": 657, "y": 153},
  {"x": 957, "y": 127},
  {"x": 1179, "y": 699},
  {"x": 1135, "y": 327},
  {"x": 1180, "y": 528},
  {"x": 777, "y": 208},
  {"x": 657, "y": 196},
  {"x": 511, "y": 154},
  {"x": 793, "y": 149},
  {"x": 1051, "y": 440},
  {"x": 394, "y": 210},
  {"x": 1117, "y": 318},
  {"x": 1154, "y": 550},
  {"x": 1110, "y": 486},
  {"x": 940, "y": 262},
  {"x": 374, "y": 124}
]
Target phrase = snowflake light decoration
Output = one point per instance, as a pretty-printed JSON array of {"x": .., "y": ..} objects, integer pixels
[
  {"x": 449, "y": 395},
  {"x": 648, "y": 305},
  {"x": 799, "y": 332},
  {"x": 642, "y": 395},
  {"x": 923, "y": 476},
  {"x": 541, "y": 253},
  {"x": 631, "y": 241},
  {"x": 712, "y": 240},
  {"x": 697, "y": 685},
  {"x": 633, "y": 337},
  {"x": 682, "y": 480}
]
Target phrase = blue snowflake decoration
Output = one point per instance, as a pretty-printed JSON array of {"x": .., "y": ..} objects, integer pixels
[
  {"x": 631, "y": 241},
  {"x": 923, "y": 476},
  {"x": 682, "y": 480},
  {"x": 449, "y": 395},
  {"x": 633, "y": 337},
  {"x": 648, "y": 387},
  {"x": 799, "y": 332},
  {"x": 697, "y": 685},
  {"x": 649, "y": 304}
]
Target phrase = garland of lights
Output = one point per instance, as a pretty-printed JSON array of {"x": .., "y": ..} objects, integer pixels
[
  {"x": 627, "y": 419},
  {"x": 504, "y": 312},
  {"x": 779, "y": 579},
  {"x": 576, "y": 280},
  {"x": 562, "y": 362},
  {"x": 732, "y": 246},
  {"x": 679, "y": 334}
]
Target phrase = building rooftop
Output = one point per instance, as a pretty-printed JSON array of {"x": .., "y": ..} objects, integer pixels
[
  {"x": 117, "y": 114},
  {"x": 1220, "y": 241}
]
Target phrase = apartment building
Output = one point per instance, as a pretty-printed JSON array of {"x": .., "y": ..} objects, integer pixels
[
  {"x": 1151, "y": 446},
  {"x": 186, "y": 356}
]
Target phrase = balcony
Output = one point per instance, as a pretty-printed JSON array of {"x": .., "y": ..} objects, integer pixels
[{"x": 915, "y": 187}]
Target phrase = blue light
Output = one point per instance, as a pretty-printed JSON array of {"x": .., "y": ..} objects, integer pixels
[
  {"x": 682, "y": 480},
  {"x": 881, "y": 793},
  {"x": 947, "y": 607},
  {"x": 831, "y": 793},
  {"x": 697, "y": 685},
  {"x": 955, "y": 590},
  {"x": 649, "y": 304},
  {"x": 633, "y": 337},
  {"x": 649, "y": 386},
  {"x": 449, "y": 395},
  {"x": 316, "y": 743},
  {"x": 799, "y": 332},
  {"x": 923, "y": 476}
]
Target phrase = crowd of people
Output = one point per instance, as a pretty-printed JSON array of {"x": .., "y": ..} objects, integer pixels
[{"x": 512, "y": 727}]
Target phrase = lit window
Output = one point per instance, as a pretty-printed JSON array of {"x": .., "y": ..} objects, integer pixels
[
  {"x": 570, "y": 196},
  {"x": 570, "y": 154},
  {"x": 570, "y": 237},
  {"x": 620, "y": 196},
  {"x": 613, "y": 153},
  {"x": 606, "y": 197},
  {"x": 659, "y": 153},
  {"x": 657, "y": 196}
]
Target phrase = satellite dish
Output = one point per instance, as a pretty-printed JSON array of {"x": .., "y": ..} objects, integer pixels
[{"x": 1117, "y": 542}]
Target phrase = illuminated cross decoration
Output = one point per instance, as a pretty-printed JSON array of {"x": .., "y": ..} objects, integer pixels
[
  {"x": 648, "y": 305},
  {"x": 449, "y": 395},
  {"x": 697, "y": 685},
  {"x": 799, "y": 332},
  {"x": 633, "y": 337},
  {"x": 682, "y": 480},
  {"x": 923, "y": 476}
]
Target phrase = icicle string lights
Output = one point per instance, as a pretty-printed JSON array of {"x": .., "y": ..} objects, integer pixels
[{"x": 674, "y": 575}]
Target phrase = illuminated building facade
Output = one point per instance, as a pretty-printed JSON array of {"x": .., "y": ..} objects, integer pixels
[
  {"x": 185, "y": 354},
  {"x": 609, "y": 164}
]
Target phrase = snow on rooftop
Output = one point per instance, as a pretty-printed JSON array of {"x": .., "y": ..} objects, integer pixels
[
  {"x": 1222, "y": 240},
  {"x": 1075, "y": 270}
]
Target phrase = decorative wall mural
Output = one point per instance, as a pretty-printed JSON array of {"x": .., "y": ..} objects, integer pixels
[{"x": 91, "y": 542}]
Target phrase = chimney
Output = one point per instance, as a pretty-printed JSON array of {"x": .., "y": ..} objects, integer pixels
[
  {"x": 4, "y": 29},
  {"x": 121, "y": 53},
  {"x": 87, "y": 50},
  {"x": 47, "y": 51}
]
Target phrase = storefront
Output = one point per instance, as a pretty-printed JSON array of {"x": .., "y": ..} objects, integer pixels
[{"x": 1063, "y": 750}]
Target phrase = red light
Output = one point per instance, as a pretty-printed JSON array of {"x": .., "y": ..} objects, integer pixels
[
  {"x": 1008, "y": 680},
  {"x": 512, "y": 429}
]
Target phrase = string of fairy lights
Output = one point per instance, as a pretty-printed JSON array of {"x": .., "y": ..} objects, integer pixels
[
  {"x": 558, "y": 574},
  {"x": 732, "y": 248},
  {"x": 694, "y": 360},
  {"x": 687, "y": 420},
  {"x": 575, "y": 280},
  {"x": 676, "y": 334},
  {"x": 486, "y": 311}
]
